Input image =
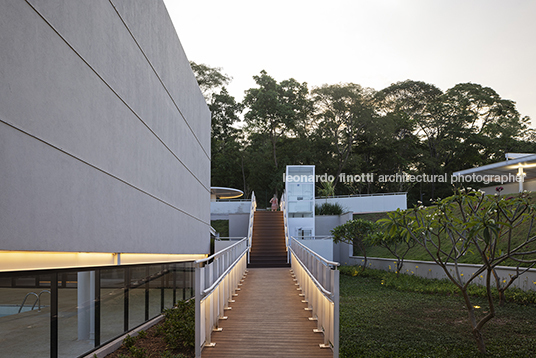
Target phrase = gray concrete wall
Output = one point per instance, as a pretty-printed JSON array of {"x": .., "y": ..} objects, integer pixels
[
  {"x": 325, "y": 223},
  {"x": 104, "y": 133},
  {"x": 238, "y": 225},
  {"x": 323, "y": 226},
  {"x": 369, "y": 203},
  {"x": 429, "y": 269}
]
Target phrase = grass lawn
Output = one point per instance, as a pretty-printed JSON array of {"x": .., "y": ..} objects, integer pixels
[{"x": 380, "y": 321}]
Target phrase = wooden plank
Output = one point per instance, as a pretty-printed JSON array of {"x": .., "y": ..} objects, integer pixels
[{"x": 267, "y": 320}]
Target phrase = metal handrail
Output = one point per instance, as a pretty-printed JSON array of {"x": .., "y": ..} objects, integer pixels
[
  {"x": 229, "y": 238},
  {"x": 331, "y": 263},
  {"x": 360, "y": 195},
  {"x": 283, "y": 207},
  {"x": 26, "y": 297},
  {"x": 219, "y": 253},
  {"x": 251, "y": 218},
  {"x": 318, "y": 279},
  {"x": 39, "y": 299},
  {"x": 222, "y": 276},
  {"x": 314, "y": 237},
  {"x": 327, "y": 293}
]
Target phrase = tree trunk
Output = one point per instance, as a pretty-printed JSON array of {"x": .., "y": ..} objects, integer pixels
[
  {"x": 479, "y": 340},
  {"x": 477, "y": 334}
]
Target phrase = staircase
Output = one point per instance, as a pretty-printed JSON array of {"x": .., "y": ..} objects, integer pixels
[{"x": 268, "y": 241}]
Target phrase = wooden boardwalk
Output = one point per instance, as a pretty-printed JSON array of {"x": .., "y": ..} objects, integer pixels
[{"x": 267, "y": 319}]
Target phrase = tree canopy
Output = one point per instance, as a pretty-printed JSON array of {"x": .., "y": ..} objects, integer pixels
[{"x": 344, "y": 129}]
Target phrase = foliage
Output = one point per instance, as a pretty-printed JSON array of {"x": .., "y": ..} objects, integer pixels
[
  {"x": 168, "y": 354},
  {"x": 129, "y": 341},
  {"x": 329, "y": 209},
  {"x": 471, "y": 221},
  {"x": 276, "y": 109},
  {"x": 209, "y": 78},
  {"x": 410, "y": 127},
  {"x": 327, "y": 189},
  {"x": 178, "y": 328},
  {"x": 380, "y": 320},
  {"x": 343, "y": 112},
  {"x": 413, "y": 283},
  {"x": 354, "y": 232},
  {"x": 397, "y": 245},
  {"x": 221, "y": 226}
]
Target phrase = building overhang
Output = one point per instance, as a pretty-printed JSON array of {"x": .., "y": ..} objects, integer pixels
[
  {"x": 518, "y": 167},
  {"x": 217, "y": 192}
]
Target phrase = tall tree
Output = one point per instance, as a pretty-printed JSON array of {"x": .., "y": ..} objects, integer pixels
[
  {"x": 226, "y": 141},
  {"x": 415, "y": 102},
  {"x": 343, "y": 112},
  {"x": 209, "y": 79},
  {"x": 278, "y": 110},
  {"x": 227, "y": 164}
]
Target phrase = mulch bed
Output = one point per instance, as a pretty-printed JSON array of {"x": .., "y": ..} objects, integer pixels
[{"x": 153, "y": 344}]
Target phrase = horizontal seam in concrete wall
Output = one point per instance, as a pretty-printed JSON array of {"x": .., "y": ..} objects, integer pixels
[
  {"x": 102, "y": 170},
  {"x": 119, "y": 97},
  {"x": 159, "y": 78}
]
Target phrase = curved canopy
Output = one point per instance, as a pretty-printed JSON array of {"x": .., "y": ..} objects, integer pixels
[{"x": 218, "y": 192}]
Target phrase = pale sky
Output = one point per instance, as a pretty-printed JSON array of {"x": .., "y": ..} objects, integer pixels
[{"x": 370, "y": 42}]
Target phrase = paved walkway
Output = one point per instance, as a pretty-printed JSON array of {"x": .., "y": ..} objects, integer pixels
[{"x": 267, "y": 320}]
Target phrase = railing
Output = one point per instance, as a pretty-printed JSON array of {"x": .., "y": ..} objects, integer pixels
[
  {"x": 283, "y": 207},
  {"x": 316, "y": 237},
  {"x": 229, "y": 238},
  {"x": 232, "y": 200},
  {"x": 318, "y": 279},
  {"x": 216, "y": 280},
  {"x": 26, "y": 297},
  {"x": 360, "y": 195},
  {"x": 251, "y": 217}
]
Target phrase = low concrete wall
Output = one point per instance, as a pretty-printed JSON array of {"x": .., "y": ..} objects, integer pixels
[
  {"x": 325, "y": 223},
  {"x": 429, "y": 269},
  {"x": 369, "y": 203},
  {"x": 223, "y": 244},
  {"x": 323, "y": 247},
  {"x": 238, "y": 225},
  {"x": 222, "y": 209}
]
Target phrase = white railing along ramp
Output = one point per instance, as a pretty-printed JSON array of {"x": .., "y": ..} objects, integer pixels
[
  {"x": 216, "y": 281},
  {"x": 283, "y": 208},
  {"x": 318, "y": 280},
  {"x": 252, "y": 209}
]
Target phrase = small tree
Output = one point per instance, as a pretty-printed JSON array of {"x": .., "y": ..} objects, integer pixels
[
  {"x": 327, "y": 189},
  {"x": 397, "y": 245},
  {"x": 495, "y": 228},
  {"x": 354, "y": 232}
]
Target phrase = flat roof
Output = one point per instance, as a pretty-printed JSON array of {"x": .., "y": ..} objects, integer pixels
[{"x": 525, "y": 161}]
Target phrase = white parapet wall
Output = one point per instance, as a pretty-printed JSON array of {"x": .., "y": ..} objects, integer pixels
[
  {"x": 323, "y": 247},
  {"x": 220, "y": 210},
  {"x": 429, "y": 269},
  {"x": 368, "y": 203}
]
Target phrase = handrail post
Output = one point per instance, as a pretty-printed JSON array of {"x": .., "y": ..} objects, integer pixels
[
  {"x": 198, "y": 325},
  {"x": 335, "y": 282}
]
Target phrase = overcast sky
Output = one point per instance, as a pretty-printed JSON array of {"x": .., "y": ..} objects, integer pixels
[{"x": 370, "y": 42}]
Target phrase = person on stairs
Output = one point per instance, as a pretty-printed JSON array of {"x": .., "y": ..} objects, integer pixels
[{"x": 273, "y": 201}]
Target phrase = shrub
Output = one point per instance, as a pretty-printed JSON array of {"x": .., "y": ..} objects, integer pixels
[
  {"x": 178, "y": 328},
  {"x": 329, "y": 209}
]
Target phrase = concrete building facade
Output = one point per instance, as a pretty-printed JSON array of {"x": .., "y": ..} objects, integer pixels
[{"x": 104, "y": 135}]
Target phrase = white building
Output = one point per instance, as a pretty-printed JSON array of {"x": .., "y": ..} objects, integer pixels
[{"x": 104, "y": 136}]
